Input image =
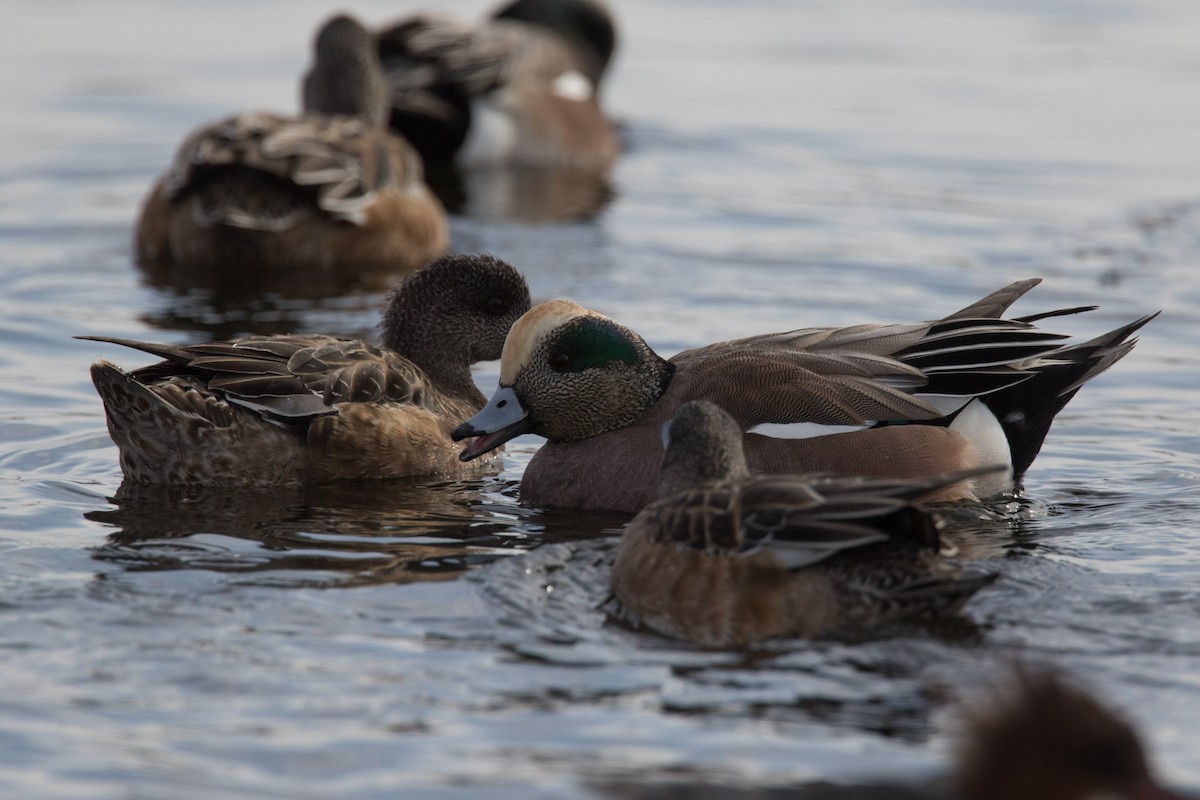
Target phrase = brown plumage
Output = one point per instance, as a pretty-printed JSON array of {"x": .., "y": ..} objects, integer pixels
[
  {"x": 1044, "y": 739},
  {"x": 965, "y": 391},
  {"x": 332, "y": 190},
  {"x": 725, "y": 558},
  {"x": 287, "y": 410},
  {"x": 519, "y": 89}
]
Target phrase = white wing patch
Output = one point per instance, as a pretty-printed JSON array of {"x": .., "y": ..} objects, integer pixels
[{"x": 801, "y": 430}]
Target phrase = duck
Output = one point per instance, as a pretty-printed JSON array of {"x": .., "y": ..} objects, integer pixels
[
  {"x": 293, "y": 410},
  {"x": 1044, "y": 737},
  {"x": 519, "y": 90},
  {"x": 965, "y": 391},
  {"x": 727, "y": 559},
  {"x": 331, "y": 190}
]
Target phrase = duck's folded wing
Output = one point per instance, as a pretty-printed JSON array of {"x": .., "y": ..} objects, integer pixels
[
  {"x": 813, "y": 375},
  {"x": 866, "y": 373},
  {"x": 846, "y": 513},
  {"x": 430, "y": 58},
  {"x": 355, "y": 372},
  {"x": 290, "y": 380},
  {"x": 785, "y": 515},
  {"x": 429, "y": 54},
  {"x": 802, "y": 520}
]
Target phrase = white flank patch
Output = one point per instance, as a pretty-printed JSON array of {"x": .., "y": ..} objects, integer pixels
[
  {"x": 573, "y": 86},
  {"x": 491, "y": 139},
  {"x": 980, "y": 426},
  {"x": 801, "y": 430}
]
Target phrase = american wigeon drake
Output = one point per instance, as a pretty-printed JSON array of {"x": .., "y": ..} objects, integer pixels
[
  {"x": 973, "y": 390},
  {"x": 272, "y": 411},
  {"x": 520, "y": 89},
  {"x": 1045, "y": 739},
  {"x": 330, "y": 190},
  {"x": 725, "y": 558}
]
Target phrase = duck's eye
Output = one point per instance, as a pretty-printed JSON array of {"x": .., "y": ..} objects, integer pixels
[
  {"x": 560, "y": 362},
  {"x": 495, "y": 306}
]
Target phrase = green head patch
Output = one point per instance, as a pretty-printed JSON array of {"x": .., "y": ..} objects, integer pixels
[{"x": 593, "y": 342}]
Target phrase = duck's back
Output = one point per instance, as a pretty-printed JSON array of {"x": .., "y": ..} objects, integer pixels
[
  {"x": 502, "y": 93},
  {"x": 277, "y": 411},
  {"x": 279, "y": 193}
]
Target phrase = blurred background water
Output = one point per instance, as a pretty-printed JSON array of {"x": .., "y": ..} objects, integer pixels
[{"x": 786, "y": 164}]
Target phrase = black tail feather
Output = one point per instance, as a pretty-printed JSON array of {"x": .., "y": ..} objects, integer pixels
[
  {"x": 1027, "y": 409},
  {"x": 1058, "y": 312}
]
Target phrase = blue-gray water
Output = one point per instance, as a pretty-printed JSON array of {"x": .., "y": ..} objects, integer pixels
[{"x": 788, "y": 164}]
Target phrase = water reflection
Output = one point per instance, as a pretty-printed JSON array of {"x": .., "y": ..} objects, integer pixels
[
  {"x": 209, "y": 316},
  {"x": 524, "y": 195},
  {"x": 385, "y": 532},
  {"x": 238, "y": 285},
  {"x": 394, "y": 531}
]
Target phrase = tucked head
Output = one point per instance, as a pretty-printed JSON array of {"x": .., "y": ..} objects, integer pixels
[
  {"x": 701, "y": 444},
  {"x": 455, "y": 311},
  {"x": 568, "y": 373},
  {"x": 346, "y": 76}
]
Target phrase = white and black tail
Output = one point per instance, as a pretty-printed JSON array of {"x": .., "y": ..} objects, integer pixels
[
  {"x": 1021, "y": 374},
  {"x": 1026, "y": 410}
]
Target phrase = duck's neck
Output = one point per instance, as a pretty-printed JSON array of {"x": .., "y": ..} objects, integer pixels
[
  {"x": 692, "y": 467},
  {"x": 444, "y": 360},
  {"x": 346, "y": 77},
  {"x": 649, "y": 382}
]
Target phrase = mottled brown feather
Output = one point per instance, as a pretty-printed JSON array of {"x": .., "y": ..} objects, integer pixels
[{"x": 287, "y": 410}]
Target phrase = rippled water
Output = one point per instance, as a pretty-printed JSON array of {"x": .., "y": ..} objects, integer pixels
[{"x": 787, "y": 164}]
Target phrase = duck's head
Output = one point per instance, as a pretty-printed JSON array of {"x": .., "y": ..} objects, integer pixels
[
  {"x": 346, "y": 77},
  {"x": 701, "y": 443},
  {"x": 454, "y": 312},
  {"x": 567, "y": 373}
]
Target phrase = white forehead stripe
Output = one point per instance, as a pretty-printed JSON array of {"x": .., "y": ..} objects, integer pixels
[{"x": 535, "y": 325}]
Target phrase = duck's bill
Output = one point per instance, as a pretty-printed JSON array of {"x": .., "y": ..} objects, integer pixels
[{"x": 503, "y": 418}]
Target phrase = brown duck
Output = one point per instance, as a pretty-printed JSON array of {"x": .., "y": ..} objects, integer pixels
[
  {"x": 330, "y": 190},
  {"x": 286, "y": 410},
  {"x": 725, "y": 558}
]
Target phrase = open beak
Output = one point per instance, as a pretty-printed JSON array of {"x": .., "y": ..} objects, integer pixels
[{"x": 503, "y": 418}]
